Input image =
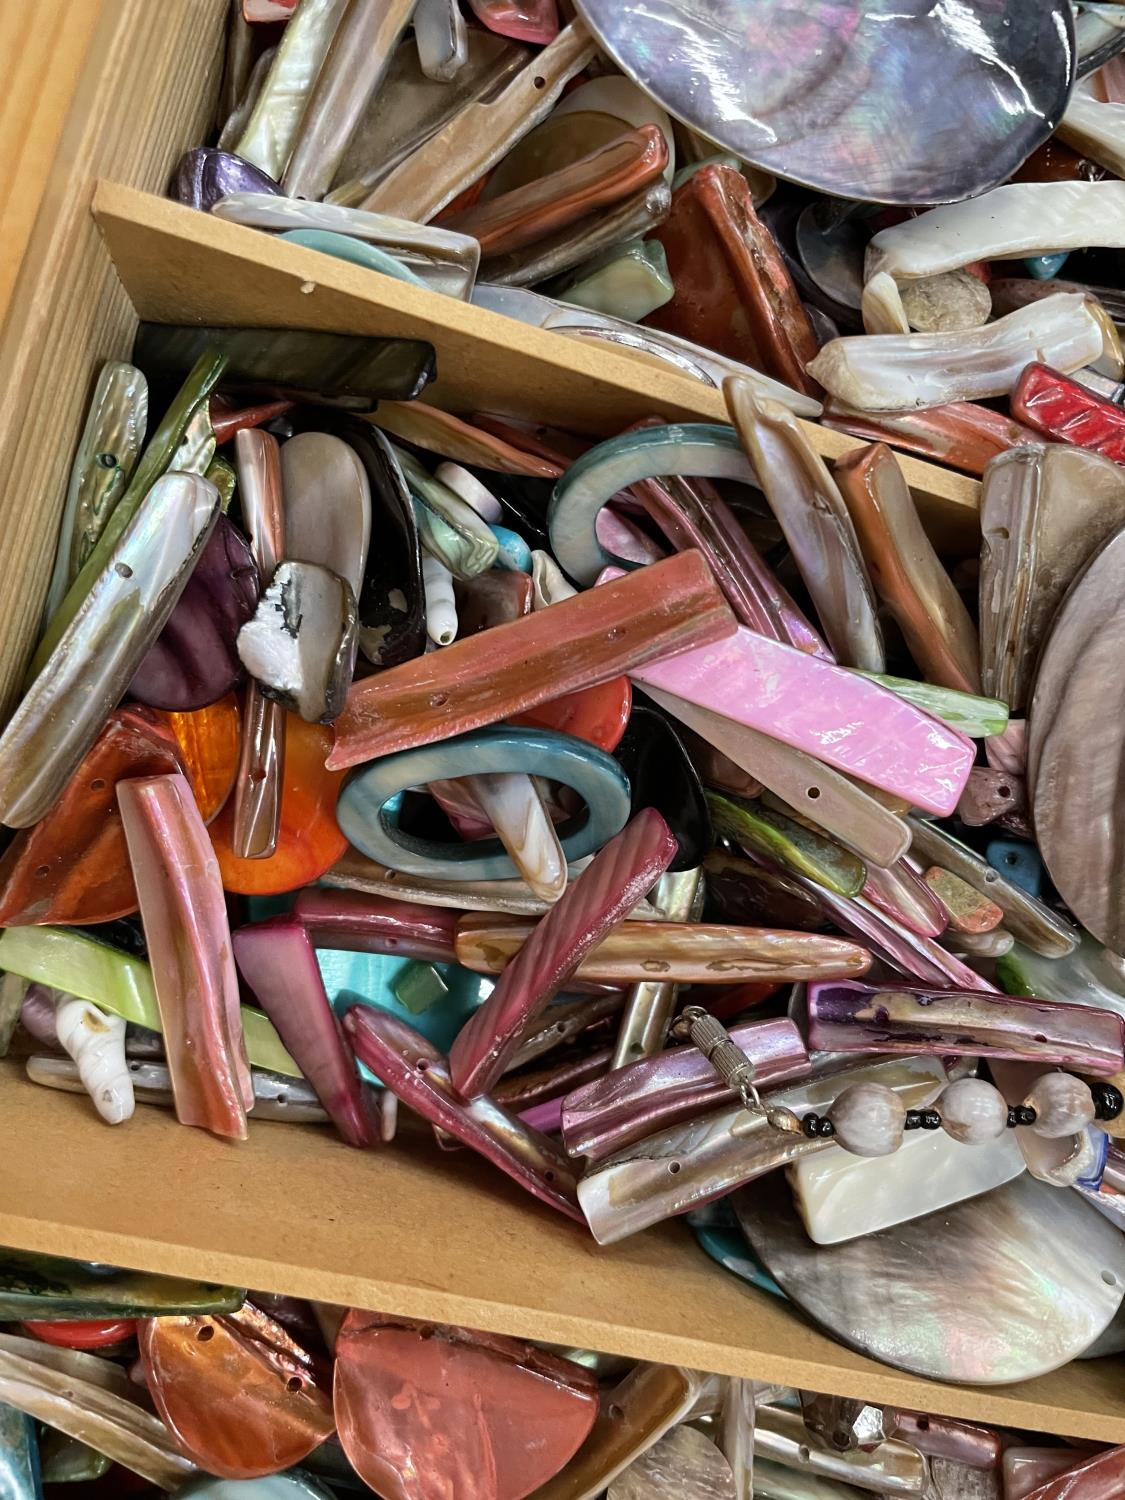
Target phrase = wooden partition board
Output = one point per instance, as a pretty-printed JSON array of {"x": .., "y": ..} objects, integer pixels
[
  {"x": 100, "y": 87},
  {"x": 181, "y": 267},
  {"x": 45, "y": 47},
  {"x": 443, "y": 1237}
]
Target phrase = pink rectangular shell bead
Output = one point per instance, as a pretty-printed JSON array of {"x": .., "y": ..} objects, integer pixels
[{"x": 843, "y": 719}]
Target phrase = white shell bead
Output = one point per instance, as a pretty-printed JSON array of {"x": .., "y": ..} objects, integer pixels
[
  {"x": 96, "y": 1042},
  {"x": 973, "y": 1111},
  {"x": 1062, "y": 1103},
  {"x": 470, "y": 489},
  {"x": 869, "y": 1119},
  {"x": 441, "y": 604}
]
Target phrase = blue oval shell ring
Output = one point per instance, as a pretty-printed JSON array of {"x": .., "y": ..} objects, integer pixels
[{"x": 367, "y": 811}]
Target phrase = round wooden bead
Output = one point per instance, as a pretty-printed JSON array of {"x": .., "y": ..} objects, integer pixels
[
  {"x": 973, "y": 1111},
  {"x": 869, "y": 1119},
  {"x": 1063, "y": 1104}
]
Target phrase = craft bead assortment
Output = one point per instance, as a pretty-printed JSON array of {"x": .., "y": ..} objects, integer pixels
[{"x": 655, "y": 811}]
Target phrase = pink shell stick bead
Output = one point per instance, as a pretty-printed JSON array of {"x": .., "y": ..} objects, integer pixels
[
  {"x": 277, "y": 960},
  {"x": 356, "y": 923},
  {"x": 908, "y": 952},
  {"x": 415, "y": 1070},
  {"x": 849, "y": 1017},
  {"x": 184, "y": 913},
  {"x": 842, "y": 719},
  {"x": 624, "y": 1106},
  {"x": 692, "y": 513},
  {"x": 902, "y": 894},
  {"x": 604, "y": 894}
]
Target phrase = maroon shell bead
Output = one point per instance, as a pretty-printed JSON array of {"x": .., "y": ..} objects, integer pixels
[
  {"x": 962, "y": 434},
  {"x": 1062, "y": 409},
  {"x": 621, "y": 873},
  {"x": 622, "y": 1107},
  {"x": 413, "y": 1068},
  {"x": 227, "y": 418},
  {"x": 193, "y": 661},
  {"x": 944, "y": 1437},
  {"x": 692, "y": 513},
  {"x": 554, "y": 1080},
  {"x": 277, "y": 960},
  {"x": 356, "y": 923},
  {"x": 1093, "y": 1476}
]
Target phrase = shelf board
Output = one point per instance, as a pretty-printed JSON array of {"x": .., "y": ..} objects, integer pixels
[
  {"x": 102, "y": 88},
  {"x": 415, "y": 1231},
  {"x": 181, "y": 266}
]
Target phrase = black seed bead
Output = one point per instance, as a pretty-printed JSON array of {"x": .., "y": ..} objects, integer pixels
[
  {"x": 931, "y": 1120},
  {"x": 1013, "y": 1118},
  {"x": 913, "y": 1120},
  {"x": 826, "y": 1127},
  {"x": 1025, "y": 1115},
  {"x": 1108, "y": 1101},
  {"x": 809, "y": 1125}
]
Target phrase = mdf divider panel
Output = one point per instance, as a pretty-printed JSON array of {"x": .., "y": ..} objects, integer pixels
[
  {"x": 410, "y": 1230},
  {"x": 45, "y": 46},
  {"x": 142, "y": 77},
  {"x": 181, "y": 266}
]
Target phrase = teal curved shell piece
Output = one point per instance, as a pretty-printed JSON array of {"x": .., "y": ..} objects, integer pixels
[{"x": 357, "y": 252}]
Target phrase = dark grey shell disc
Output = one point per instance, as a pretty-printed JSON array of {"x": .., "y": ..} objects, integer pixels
[
  {"x": 894, "y": 101},
  {"x": 1002, "y": 1287}
]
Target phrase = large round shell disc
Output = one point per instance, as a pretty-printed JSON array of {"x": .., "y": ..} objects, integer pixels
[
  {"x": 1076, "y": 747},
  {"x": 895, "y": 101},
  {"x": 1002, "y": 1287}
]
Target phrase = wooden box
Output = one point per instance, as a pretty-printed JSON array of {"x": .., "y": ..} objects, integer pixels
[{"x": 101, "y": 99}]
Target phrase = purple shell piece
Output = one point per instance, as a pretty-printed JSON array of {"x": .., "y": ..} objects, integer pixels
[
  {"x": 193, "y": 661},
  {"x": 849, "y": 1017},
  {"x": 37, "y": 1015},
  {"x": 359, "y": 923},
  {"x": 624, "y": 1106},
  {"x": 205, "y": 175}
]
